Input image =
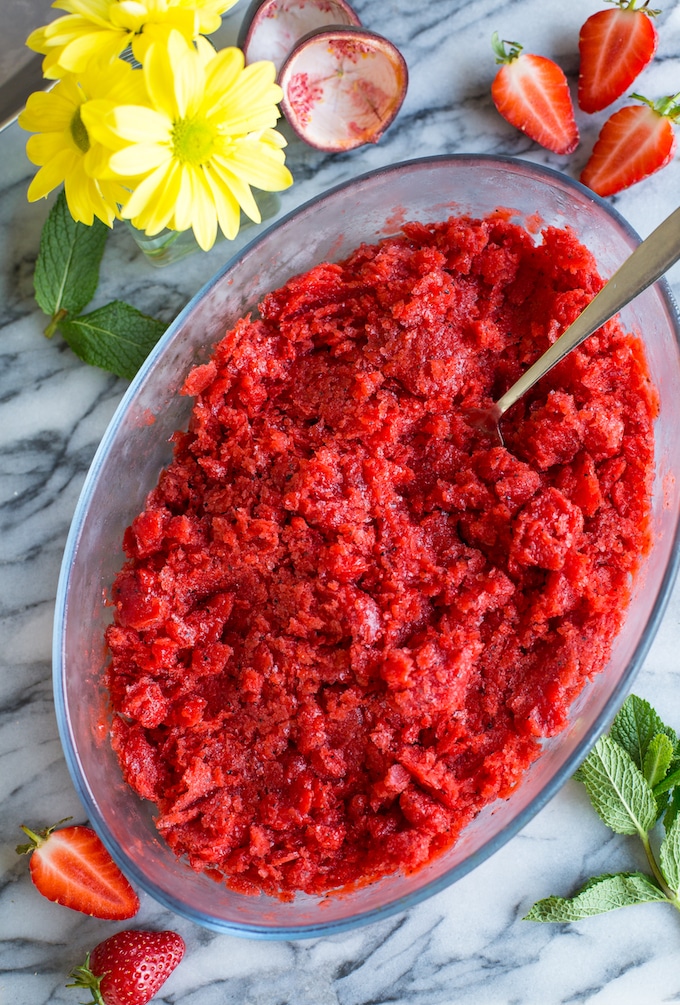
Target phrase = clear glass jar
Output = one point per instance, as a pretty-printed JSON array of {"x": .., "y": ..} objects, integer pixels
[{"x": 171, "y": 246}]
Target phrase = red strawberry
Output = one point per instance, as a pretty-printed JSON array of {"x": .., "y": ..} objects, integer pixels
[
  {"x": 615, "y": 46},
  {"x": 532, "y": 94},
  {"x": 633, "y": 143},
  {"x": 130, "y": 967},
  {"x": 72, "y": 867}
]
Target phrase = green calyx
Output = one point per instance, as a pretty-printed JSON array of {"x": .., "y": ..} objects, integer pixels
[
  {"x": 36, "y": 838},
  {"x": 84, "y": 978},
  {"x": 498, "y": 45},
  {"x": 631, "y": 5},
  {"x": 667, "y": 108}
]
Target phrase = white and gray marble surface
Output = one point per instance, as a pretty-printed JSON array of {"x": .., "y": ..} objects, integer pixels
[{"x": 467, "y": 945}]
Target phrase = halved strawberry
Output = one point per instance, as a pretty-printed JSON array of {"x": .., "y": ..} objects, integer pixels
[
  {"x": 633, "y": 143},
  {"x": 615, "y": 46},
  {"x": 72, "y": 867},
  {"x": 130, "y": 967},
  {"x": 531, "y": 92}
]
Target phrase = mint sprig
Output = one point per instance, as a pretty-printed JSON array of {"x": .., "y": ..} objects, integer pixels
[
  {"x": 600, "y": 894},
  {"x": 116, "y": 337},
  {"x": 631, "y": 776},
  {"x": 67, "y": 268}
]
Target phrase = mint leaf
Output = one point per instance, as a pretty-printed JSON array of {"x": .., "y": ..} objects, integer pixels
[
  {"x": 673, "y": 810},
  {"x": 669, "y": 782},
  {"x": 67, "y": 267},
  {"x": 669, "y": 855},
  {"x": 601, "y": 894},
  {"x": 617, "y": 788},
  {"x": 634, "y": 727},
  {"x": 657, "y": 759},
  {"x": 116, "y": 337}
]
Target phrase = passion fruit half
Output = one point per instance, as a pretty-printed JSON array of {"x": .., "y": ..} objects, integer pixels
[
  {"x": 272, "y": 28},
  {"x": 342, "y": 87}
]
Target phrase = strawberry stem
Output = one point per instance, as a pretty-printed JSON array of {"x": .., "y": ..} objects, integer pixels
[{"x": 499, "y": 45}]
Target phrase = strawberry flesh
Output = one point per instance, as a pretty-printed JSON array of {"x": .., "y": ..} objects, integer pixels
[
  {"x": 531, "y": 92},
  {"x": 72, "y": 867},
  {"x": 633, "y": 143},
  {"x": 615, "y": 46}
]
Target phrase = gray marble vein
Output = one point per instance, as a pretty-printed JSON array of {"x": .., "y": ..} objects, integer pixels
[{"x": 467, "y": 945}]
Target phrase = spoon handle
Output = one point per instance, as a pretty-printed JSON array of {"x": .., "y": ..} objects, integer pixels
[{"x": 648, "y": 262}]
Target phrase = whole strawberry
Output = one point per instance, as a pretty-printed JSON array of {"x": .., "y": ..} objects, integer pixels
[
  {"x": 532, "y": 93},
  {"x": 71, "y": 866},
  {"x": 634, "y": 142},
  {"x": 615, "y": 46},
  {"x": 130, "y": 967}
]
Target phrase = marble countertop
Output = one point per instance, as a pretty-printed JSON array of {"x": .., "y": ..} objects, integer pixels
[{"x": 468, "y": 944}]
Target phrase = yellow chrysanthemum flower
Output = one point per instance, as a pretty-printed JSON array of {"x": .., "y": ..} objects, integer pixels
[
  {"x": 105, "y": 28},
  {"x": 63, "y": 147},
  {"x": 204, "y": 139}
]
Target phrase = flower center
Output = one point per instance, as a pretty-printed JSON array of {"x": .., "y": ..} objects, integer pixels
[
  {"x": 79, "y": 132},
  {"x": 193, "y": 141}
]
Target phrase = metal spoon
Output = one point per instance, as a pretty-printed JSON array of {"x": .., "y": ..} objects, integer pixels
[{"x": 648, "y": 262}]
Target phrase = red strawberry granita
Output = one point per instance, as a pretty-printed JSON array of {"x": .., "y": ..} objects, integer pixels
[{"x": 347, "y": 620}]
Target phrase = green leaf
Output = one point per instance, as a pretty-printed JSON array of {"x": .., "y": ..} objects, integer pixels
[
  {"x": 617, "y": 788},
  {"x": 673, "y": 810},
  {"x": 67, "y": 267},
  {"x": 634, "y": 727},
  {"x": 116, "y": 337},
  {"x": 657, "y": 759},
  {"x": 669, "y": 782},
  {"x": 669, "y": 855},
  {"x": 601, "y": 894}
]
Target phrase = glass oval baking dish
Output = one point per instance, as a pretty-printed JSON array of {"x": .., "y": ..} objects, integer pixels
[{"x": 136, "y": 446}]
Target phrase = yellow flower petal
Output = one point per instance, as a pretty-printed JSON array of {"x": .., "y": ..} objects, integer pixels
[
  {"x": 228, "y": 209},
  {"x": 37, "y": 40},
  {"x": 138, "y": 159},
  {"x": 229, "y": 181},
  {"x": 46, "y": 112},
  {"x": 222, "y": 73},
  {"x": 204, "y": 215},
  {"x": 65, "y": 29},
  {"x": 138, "y": 124},
  {"x": 159, "y": 78},
  {"x": 183, "y": 204},
  {"x": 129, "y": 14},
  {"x": 137, "y": 206},
  {"x": 51, "y": 175},
  {"x": 250, "y": 103},
  {"x": 273, "y": 138},
  {"x": 260, "y": 165},
  {"x": 43, "y": 147},
  {"x": 95, "y": 10},
  {"x": 161, "y": 208},
  {"x": 97, "y": 44},
  {"x": 85, "y": 200},
  {"x": 189, "y": 76}
]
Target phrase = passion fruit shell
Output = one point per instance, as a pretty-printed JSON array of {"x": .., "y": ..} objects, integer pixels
[
  {"x": 342, "y": 87},
  {"x": 272, "y": 28}
]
